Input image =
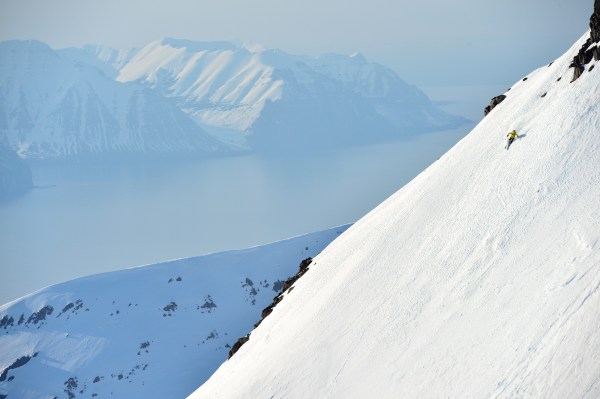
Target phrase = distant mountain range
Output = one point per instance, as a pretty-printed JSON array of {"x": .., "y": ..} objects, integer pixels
[{"x": 179, "y": 96}]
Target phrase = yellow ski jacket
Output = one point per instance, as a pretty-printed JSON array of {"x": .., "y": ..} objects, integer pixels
[{"x": 512, "y": 135}]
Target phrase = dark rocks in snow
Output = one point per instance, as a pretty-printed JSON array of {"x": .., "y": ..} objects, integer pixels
[
  {"x": 70, "y": 385},
  {"x": 171, "y": 307},
  {"x": 41, "y": 314},
  {"x": 72, "y": 306},
  {"x": 493, "y": 103},
  {"x": 287, "y": 285},
  {"x": 209, "y": 304},
  {"x": 248, "y": 283},
  {"x": 595, "y": 22},
  {"x": 238, "y": 344},
  {"x": 589, "y": 50},
  {"x": 6, "y": 321},
  {"x": 303, "y": 269},
  {"x": 23, "y": 360}
]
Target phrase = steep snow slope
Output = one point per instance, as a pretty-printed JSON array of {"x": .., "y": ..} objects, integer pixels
[
  {"x": 157, "y": 331},
  {"x": 52, "y": 105},
  {"x": 284, "y": 100},
  {"x": 480, "y": 278}
]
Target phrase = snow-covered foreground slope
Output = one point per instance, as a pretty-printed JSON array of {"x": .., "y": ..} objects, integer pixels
[
  {"x": 157, "y": 331},
  {"x": 479, "y": 279}
]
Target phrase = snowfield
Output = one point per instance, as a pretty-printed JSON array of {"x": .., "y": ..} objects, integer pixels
[
  {"x": 156, "y": 331},
  {"x": 479, "y": 279}
]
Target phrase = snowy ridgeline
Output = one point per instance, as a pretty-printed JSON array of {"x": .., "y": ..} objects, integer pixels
[
  {"x": 479, "y": 279},
  {"x": 177, "y": 96},
  {"x": 156, "y": 331}
]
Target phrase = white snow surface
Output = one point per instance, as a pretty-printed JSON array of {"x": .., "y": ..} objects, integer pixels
[
  {"x": 157, "y": 331},
  {"x": 478, "y": 279}
]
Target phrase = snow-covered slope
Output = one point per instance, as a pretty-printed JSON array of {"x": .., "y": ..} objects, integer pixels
[
  {"x": 479, "y": 279},
  {"x": 54, "y": 105},
  {"x": 283, "y": 100},
  {"x": 157, "y": 331}
]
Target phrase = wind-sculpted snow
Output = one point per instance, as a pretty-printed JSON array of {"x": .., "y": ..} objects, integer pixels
[
  {"x": 156, "y": 331},
  {"x": 478, "y": 279}
]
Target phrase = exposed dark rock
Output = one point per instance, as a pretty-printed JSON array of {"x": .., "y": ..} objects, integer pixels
[
  {"x": 178, "y": 279},
  {"x": 97, "y": 379},
  {"x": 144, "y": 345},
  {"x": 23, "y": 360},
  {"x": 595, "y": 22},
  {"x": 40, "y": 315},
  {"x": 21, "y": 319},
  {"x": 209, "y": 304},
  {"x": 238, "y": 344},
  {"x": 589, "y": 50},
  {"x": 592, "y": 67},
  {"x": 72, "y": 306},
  {"x": 71, "y": 383},
  {"x": 524, "y": 79},
  {"x": 543, "y": 95},
  {"x": 170, "y": 307},
  {"x": 493, "y": 103},
  {"x": 6, "y": 321},
  {"x": 247, "y": 283},
  {"x": 303, "y": 268}
]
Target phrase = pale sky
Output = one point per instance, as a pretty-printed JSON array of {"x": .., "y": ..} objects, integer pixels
[{"x": 427, "y": 42}]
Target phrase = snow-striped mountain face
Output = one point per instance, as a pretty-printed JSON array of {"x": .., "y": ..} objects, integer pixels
[
  {"x": 166, "y": 97},
  {"x": 52, "y": 105},
  {"x": 478, "y": 279},
  {"x": 156, "y": 331},
  {"x": 277, "y": 100}
]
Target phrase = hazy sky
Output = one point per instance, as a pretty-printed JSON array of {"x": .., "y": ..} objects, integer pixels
[{"x": 427, "y": 42}]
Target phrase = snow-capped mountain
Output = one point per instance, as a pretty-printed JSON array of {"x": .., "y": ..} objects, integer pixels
[
  {"x": 479, "y": 279},
  {"x": 52, "y": 105},
  {"x": 167, "y": 96},
  {"x": 278, "y": 100},
  {"x": 157, "y": 331}
]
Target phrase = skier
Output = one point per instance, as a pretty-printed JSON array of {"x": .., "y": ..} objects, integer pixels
[{"x": 512, "y": 135}]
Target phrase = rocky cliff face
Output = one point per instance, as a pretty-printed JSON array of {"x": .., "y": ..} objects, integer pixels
[{"x": 590, "y": 49}]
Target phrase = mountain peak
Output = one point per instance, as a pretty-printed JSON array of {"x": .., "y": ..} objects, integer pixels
[{"x": 198, "y": 46}]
